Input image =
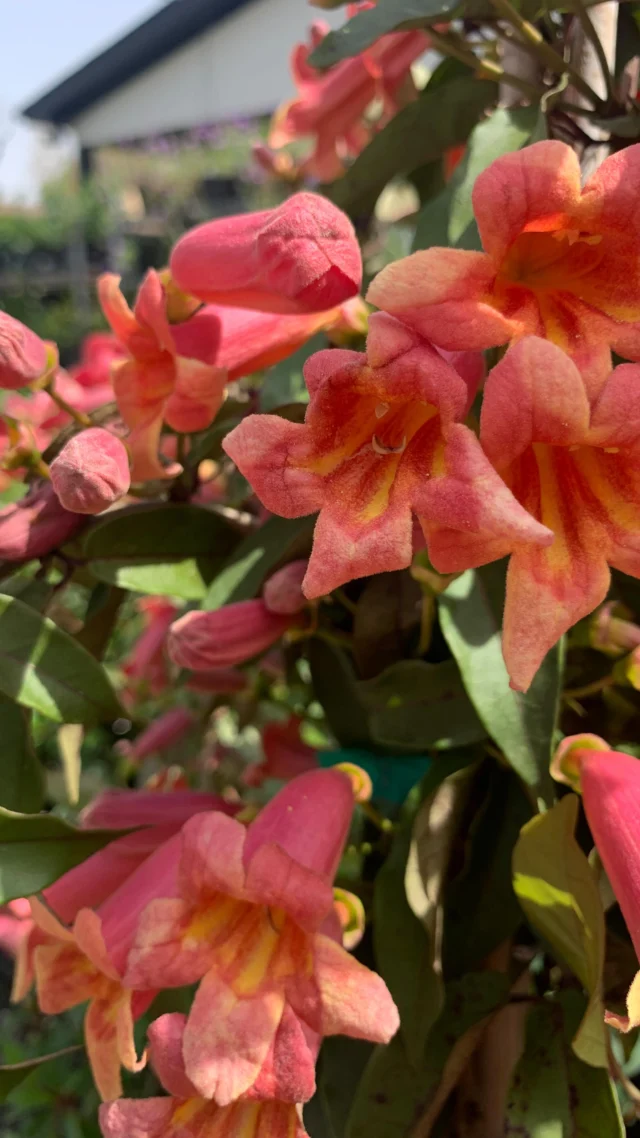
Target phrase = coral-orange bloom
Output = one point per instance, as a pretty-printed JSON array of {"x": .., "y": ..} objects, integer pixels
[
  {"x": 561, "y": 262},
  {"x": 379, "y": 442},
  {"x": 169, "y": 374},
  {"x": 572, "y": 458}
]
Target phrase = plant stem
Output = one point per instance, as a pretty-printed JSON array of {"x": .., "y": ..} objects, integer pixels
[
  {"x": 78, "y": 417},
  {"x": 447, "y": 45},
  {"x": 533, "y": 41}
]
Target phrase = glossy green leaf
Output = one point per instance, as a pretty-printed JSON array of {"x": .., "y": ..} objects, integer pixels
[
  {"x": 415, "y": 706},
  {"x": 594, "y": 1101},
  {"x": 558, "y": 891},
  {"x": 420, "y": 132},
  {"x": 523, "y": 725},
  {"x": 43, "y": 668},
  {"x": 22, "y": 785},
  {"x": 32, "y": 591},
  {"x": 393, "y": 1095},
  {"x": 448, "y": 218},
  {"x": 36, "y": 849},
  {"x": 256, "y": 557},
  {"x": 12, "y": 1074},
  {"x": 167, "y": 549}
]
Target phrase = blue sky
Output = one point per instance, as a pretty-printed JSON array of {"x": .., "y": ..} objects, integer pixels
[{"x": 42, "y": 41}]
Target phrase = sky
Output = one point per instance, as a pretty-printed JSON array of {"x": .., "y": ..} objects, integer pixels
[{"x": 42, "y": 42}]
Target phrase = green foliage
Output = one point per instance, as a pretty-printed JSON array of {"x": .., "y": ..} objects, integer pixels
[
  {"x": 241, "y": 577},
  {"x": 36, "y": 849},
  {"x": 43, "y": 668},
  {"x": 522, "y": 725},
  {"x": 169, "y": 550},
  {"x": 22, "y": 784}
]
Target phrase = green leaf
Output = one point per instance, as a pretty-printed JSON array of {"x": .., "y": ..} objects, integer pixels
[
  {"x": 481, "y": 909},
  {"x": 340, "y": 1067},
  {"x": 241, "y": 577},
  {"x": 523, "y": 725},
  {"x": 22, "y": 786},
  {"x": 167, "y": 550},
  {"x": 36, "y": 849},
  {"x": 366, "y": 27},
  {"x": 32, "y": 591},
  {"x": 393, "y": 1095},
  {"x": 337, "y": 690},
  {"x": 421, "y": 131},
  {"x": 43, "y": 668},
  {"x": 553, "y": 1094},
  {"x": 102, "y": 614},
  {"x": 12, "y": 1074},
  {"x": 538, "y": 1103},
  {"x": 448, "y": 219},
  {"x": 558, "y": 891},
  {"x": 415, "y": 706}
]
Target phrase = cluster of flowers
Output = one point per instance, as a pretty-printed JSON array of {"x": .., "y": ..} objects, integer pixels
[
  {"x": 552, "y": 478},
  {"x": 245, "y": 911}
]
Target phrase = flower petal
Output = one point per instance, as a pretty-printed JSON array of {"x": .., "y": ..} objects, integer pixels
[
  {"x": 442, "y": 293},
  {"x": 354, "y": 1000},
  {"x": 615, "y": 416},
  {"x": 163, "y": 953},
  {"x": 165, "y": 1054},
  {"x": 268, "y": 451},
  {"x": 275, "y": 879},
  {"x": 227, "y": 1040},
  {"x": 535, "y": 394},
  {"x": 196, "y": 397},
  {"x": 212, "y": 856},
  {"x": 137, "y": 1118},
  {"x": 64, "y": 977},
  {"x": 535, "y": 190}
]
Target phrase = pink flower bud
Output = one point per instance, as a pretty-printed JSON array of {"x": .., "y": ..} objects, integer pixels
[
  {"x": 35, "y": 525},
  {"x": 91, "y": 472},
  {"x": 203, "y": 641},
  {"x": 302, "y": 256},
  {"x": 23, "y": 355},
  {"x": 282, "y": 593},
  {"x": 163, "y": 733}
]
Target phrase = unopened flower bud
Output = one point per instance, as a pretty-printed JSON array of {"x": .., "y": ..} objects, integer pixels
[
  {"x": 23, "y": 355},
  {"x": 282, "y": 593},
  {"x": 91, "y": 472},
  {"x": 610, "y": 632},
  {"x": 302, "y": 256},
  {"x": 35, "y": 525},
  {"x": 203, "y": 641}
]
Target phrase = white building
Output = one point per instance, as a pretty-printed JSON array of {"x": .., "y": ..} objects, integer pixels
[{"x": 194, "y": 62}]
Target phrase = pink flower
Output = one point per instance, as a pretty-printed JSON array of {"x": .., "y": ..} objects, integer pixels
[
  {"x": 164, "y": 732},
  {"x": 36, "y": 525},
  {"x": 168, "y": 374},
  {"x": 302, "y": 256},
  {"x": 247, "y": 922},
  {"x": 610, "y": 784},
  {"x": 91, "y": 472},
  {"x": 221, "y": 680},
  {"x": 15, "y": 925},
  {"x": 24, "y": 357},
  {"x": 331, "y": 105},
  {"x": 381, "y": 441},
  {"x": 146, "y": 666},
  {"x": 185, "y": 1114},
  {"x": 282, "y": 593},
  {"x": 285, "y": 753},
  {"x": 116, "y": 809},
  {"x": 206, "y": 640}
]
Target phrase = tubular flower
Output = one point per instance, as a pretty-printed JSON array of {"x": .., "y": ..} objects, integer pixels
[
  {"x": 93, "y": 373},
  {"x": 286, "y": 755},
  {"x": 610, "y": 785},
  {"x": 185, "y": 1114},
  {"x": 282, "y": 593},
  {"x": 24, "y": 357},
  {"x": 571, "y": 459},
  {"x": 330, "y": 106},
  {"x": 252, "y": 341},
  {"x": 87, "y": 964},
  {"x": 379, "y": 443},
  {"x": 302, "y": 256},
  {"x": 165, "y": 731},
  {"x": 35, "y": 525},
  {"x": 146, "y": 665},
  {"x": 203, "y": 641},
  {"x": 168, "y": 375},
  {"x": 248, "y": 922},
  {"x": 560, "y": 261},
  {"x": 91, "y": 472},
  {"x": 115, "y": 809}
]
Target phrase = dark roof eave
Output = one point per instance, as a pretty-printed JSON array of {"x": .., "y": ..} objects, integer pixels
[{"x": 170, "y": 28}]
